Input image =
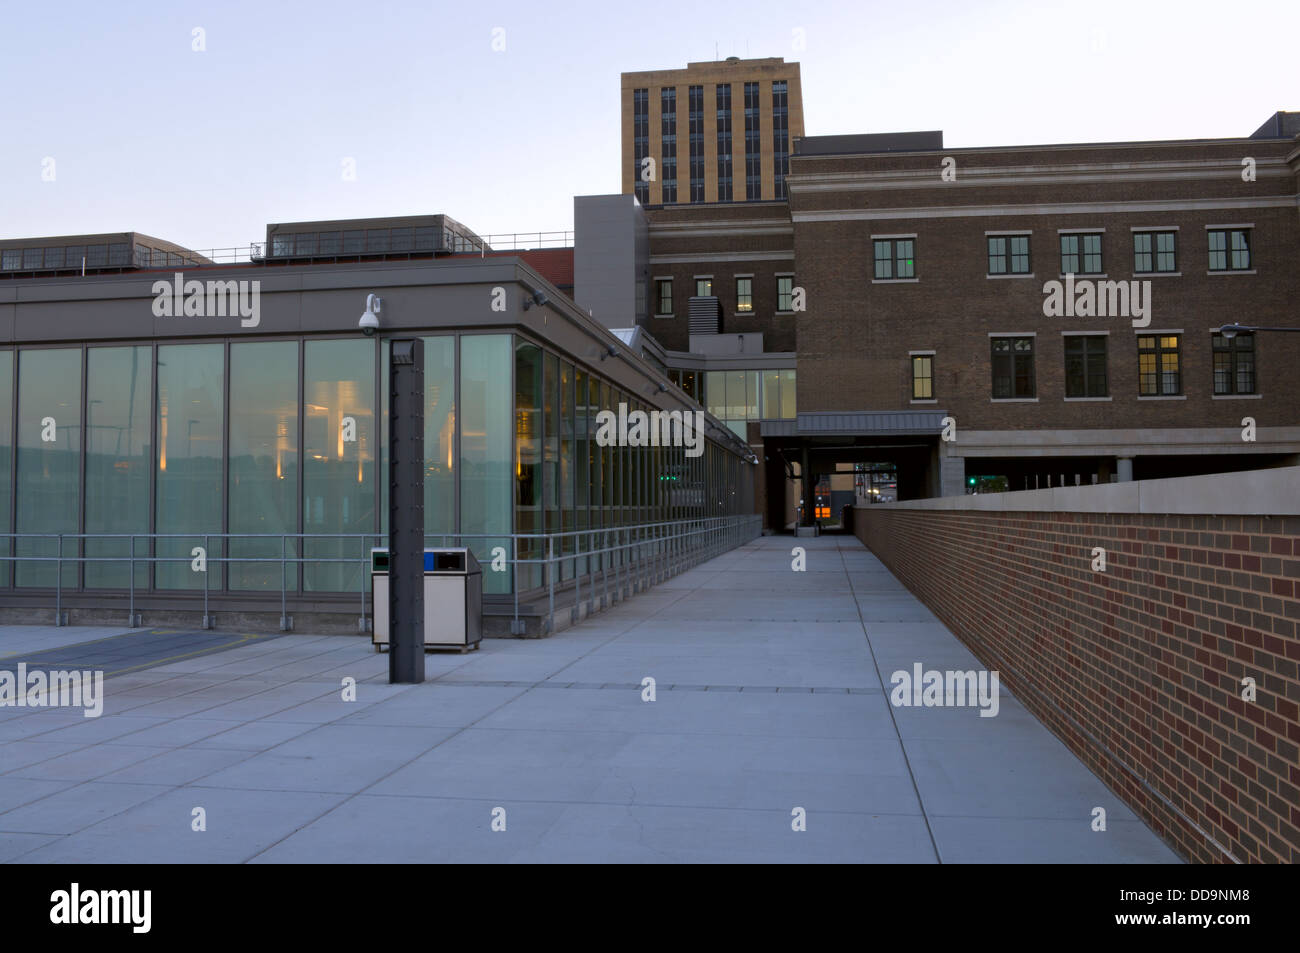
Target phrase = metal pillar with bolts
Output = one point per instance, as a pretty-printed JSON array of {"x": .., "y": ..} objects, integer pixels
[{"x": 406, "y": 513}]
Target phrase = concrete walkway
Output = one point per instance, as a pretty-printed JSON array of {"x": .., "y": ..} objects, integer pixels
[{"x": 771, "y": 695}]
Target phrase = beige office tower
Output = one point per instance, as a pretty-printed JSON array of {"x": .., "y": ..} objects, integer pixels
[{"x": 713, "y": 132}]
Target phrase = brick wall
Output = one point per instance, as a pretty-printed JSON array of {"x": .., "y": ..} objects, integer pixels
[{"x": 1138, "y": 669}]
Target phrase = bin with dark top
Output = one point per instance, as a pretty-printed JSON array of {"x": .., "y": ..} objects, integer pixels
[{"x": 453, "y": 599}]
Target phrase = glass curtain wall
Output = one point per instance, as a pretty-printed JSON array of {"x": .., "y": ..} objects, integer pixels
[
  {"x": 119, "y": 456},
  {"x": 486, "y": 449},
  {"x": 6, "y": 458},
  {"x": 191, "y": 428},
  {"x": 263, "y": 466},
  {"x": 528, "y": 466}
]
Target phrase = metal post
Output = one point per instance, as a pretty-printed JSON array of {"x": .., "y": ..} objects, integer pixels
[
  {"x": 406, "y": 513},
  {"x": 207, "y": 619},
  {"x": 284, "y": 583},
  {"x": 550, "y": 583},
  {"x": 577, "y": 588},
  {"x": 58, "y": 586},
  {"x": 131, "y": 606}
]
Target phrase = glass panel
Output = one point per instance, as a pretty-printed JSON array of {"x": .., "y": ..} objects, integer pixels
[
  {"x": 6, "y": 455},
  {"x": 715, "y": 393},
  {"x": 49, "y": 460},
  {"x": 528, "y": 469},
  {"x": 751, "y": 395},
  {"x": 191, "y": 423},
  {"x": 735, "y": 406},
  {"x": 338, "y": 462},
  {"x": 582, "y": 477},
  {"x": 486, "y": 447},
  {"x": 787, "y": 395},
  {"x": 263, "y": 482},
  {"x": 771, "y": 407},
  {"x": 119, "y": 387},
  {"x": 439, "y": 436},
  {"x": 566, "y": 464}
]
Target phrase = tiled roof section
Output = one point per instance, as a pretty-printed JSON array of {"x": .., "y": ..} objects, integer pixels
[{"x": 553, "y": 264}]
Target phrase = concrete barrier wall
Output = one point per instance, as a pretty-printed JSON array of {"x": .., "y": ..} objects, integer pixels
[{"x": 1139, "y": 668}]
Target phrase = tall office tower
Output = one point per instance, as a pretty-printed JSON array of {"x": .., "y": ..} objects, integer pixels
[{"x": 713, "y": 132}]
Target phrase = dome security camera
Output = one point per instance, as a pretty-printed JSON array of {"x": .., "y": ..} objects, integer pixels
[{"x": 369, "y": 322}]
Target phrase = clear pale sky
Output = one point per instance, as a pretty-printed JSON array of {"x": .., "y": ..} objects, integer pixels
[{"x": 205, "y": 148}]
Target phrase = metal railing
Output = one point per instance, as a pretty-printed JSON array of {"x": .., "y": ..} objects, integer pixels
[{"x": 602, "y": 566}]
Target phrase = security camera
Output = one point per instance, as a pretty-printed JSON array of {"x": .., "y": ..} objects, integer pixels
[
  {"x": 537, "y": 298},
  {"x": 369, "y": 322}
]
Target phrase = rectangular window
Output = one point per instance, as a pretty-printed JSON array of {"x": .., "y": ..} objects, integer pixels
[
  {"x": 1085, "y": 366},
  {"x": 487, "y": 464},
  {"x": 6, "y": 457},
  {"x": 780, "y": 136},
  {"x": 663, "y": 296},
  {"x": 744, "y": 294},
  {"x": 640, "y": 143},
  {"x": 1081, "y": 254},
  {"x": 1234, "y": 364},
  {"x": 724, "y": 143},
  {"x": 1008, "y": 254},
  {"x": 753, "y": 157},
  {"x": 1159, "y": 366},
  {"x": 703, "y": 287},
  {"x": 895, "y": 258},
  {"x": 11, "y": 259},
  {"x": 33, "y": 257},
  {"x": 1013, "y": 367},
  {"x": 922, "y": 377},
  {"x": 695, "y": 122},
  {"x": 668, "y": 142},
  {"x": 785, "y": 293},
  {"x": 1153, "y": 252},
  {"x": 1229, "y": 249}
]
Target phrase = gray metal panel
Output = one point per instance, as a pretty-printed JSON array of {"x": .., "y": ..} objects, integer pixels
[{"x": 871, "y": 422}]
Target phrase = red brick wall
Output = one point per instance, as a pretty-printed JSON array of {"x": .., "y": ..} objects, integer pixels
[{"x": 1138, "y": 669}]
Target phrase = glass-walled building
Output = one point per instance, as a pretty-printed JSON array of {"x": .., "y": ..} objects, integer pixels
[{"x": 266, "y": 443}]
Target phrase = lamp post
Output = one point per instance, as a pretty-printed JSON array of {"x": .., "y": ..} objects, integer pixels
[{"x": 1230, "y": 331}]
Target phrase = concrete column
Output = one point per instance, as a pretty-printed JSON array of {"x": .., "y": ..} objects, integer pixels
[
  {"x": 952, "y": 474},
  {"x": 1124, "y": 469}
]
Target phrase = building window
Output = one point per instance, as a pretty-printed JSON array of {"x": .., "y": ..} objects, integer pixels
[
  {"x": 895, "y": 258},
  {"x": 1013, "y": 367},
  {"x": 1153, "y": 252},
  {"x": 724, "y": 143},
  {"x": 780, "y": 136},
  {"x": 12, "y": 259},
  {"x": 640, "y": 142},
  {"x": 922, "y": 377},
  {"x": 785, "y": 293},
  {"x": 1008, "y": 254},
  {"x": 1234, "y": 364},
  {"x": 668, "y": 142},
  {"x": 1159, "y": 367},
  {"x": 1081, "y": 254},
  {"x": 1085, "y": 366},
  {"x": 753, "y": 157},
  {"x": 744, "y": 294},
  {"x": 663, "y": 296},
  {"x": 695, "y": 120},
  {"x": 96, "y": 256},
  {"x": 32, "y": 258},
  {"x": 703, "y": 287},
  {"x": 1229, "y": 249}
]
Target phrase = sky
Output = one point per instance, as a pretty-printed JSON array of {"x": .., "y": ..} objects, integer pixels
[{"x": 499, "y": 113}]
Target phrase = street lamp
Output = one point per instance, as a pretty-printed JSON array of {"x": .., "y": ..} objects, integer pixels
[{"x": 1230, "y": 331}]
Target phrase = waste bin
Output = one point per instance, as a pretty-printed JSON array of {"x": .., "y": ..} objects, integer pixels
[{"x": 453, "y": 599}]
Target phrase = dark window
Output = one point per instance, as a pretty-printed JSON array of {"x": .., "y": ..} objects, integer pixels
[
  {"x": 1160, "y": 372},
  {"x": 1013, "y": 367},
  {"x": 1008, "y": 254},
  {"x": 895, "y": 258},
  {"x": 753, "y": 157},
  {"x": 305, "y": 243},
  {"x": 11, "y": 259},
  {"x": 159, "y": 258},
  {"x": 281, "y": 245},
  {"x": 74, "y": 255},
  {"x": 668, "y": 142},
  {"x": 695, "y": 120},
  {"x": 403, "y": 239},
  {"x": 1229, "y": 249},
  {"x": 376, "y": 239},
  {"x": 331, "y": 243},
  {"x": 744, "y": 294},
  {"x": 1234, "y": 364},
  {"x": 780, "y": 136},
  {"x": 354, "y": 242},
  {"x": 640, "y": 142},
  {"x": 33, "y": 257},
  {"x": 1154, "y": 252},
  {"x": 119, "y": 253},
  {"x": 785, "y": 293},
  {"x": 96, "y": 256},
  {"x": 426, "y": 238},
  {"x": 664, "y": 296},
  {"x": 703, "y": 287},
  {"x": 724, "y": 143},
  {"x": 1081, "y": 254},
  {"x": 922, "y": 376},
  {"x": 1085, "y": 366},
  {"x": 54, "y": 257}
]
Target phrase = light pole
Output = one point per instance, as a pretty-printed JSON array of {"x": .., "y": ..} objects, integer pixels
[{"x": 1230, "y": 331}]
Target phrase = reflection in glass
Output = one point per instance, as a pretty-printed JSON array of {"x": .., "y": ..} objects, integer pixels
[
  {"x": 263, "y": 461},
  {"x": 486, "y": 448},
  {"x": 119, "y": 387},
  {"x": 528, "y": 470},
  {"x": 190, "y": 427},
  {"x": 6, "y": 455},
  {"x": 338, "y": 462}
]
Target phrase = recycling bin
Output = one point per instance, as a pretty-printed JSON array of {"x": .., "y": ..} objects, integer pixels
[{"x": 453, "y": 599}]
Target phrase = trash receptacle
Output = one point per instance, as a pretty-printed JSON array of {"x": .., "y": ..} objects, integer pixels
[{"x": 453, "y": 599}]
